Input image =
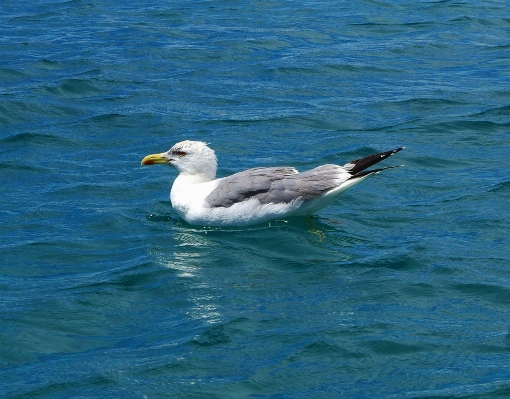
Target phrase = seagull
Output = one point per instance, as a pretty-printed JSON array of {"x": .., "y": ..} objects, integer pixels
[{"x": 256, "y": 195}]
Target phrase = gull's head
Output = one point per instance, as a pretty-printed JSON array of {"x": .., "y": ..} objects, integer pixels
[{"x": 192, "y": 158}]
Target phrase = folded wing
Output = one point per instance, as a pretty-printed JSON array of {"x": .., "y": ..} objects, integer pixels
[{"x": 285, "y": 184}]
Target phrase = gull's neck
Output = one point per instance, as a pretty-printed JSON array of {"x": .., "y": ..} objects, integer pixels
[
  {"x": 196, "y": 178},
  {"x": 187, "y": 189}
]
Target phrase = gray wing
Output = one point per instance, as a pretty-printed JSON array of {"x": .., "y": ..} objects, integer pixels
[
  {"x": 276, "y": 185},
  {"x": 245, "y": 185}
]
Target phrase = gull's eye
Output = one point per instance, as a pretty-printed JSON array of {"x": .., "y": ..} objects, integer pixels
[{"x": 181, "y": 153}]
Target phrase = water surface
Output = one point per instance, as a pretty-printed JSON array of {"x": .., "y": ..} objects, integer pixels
[{"x": 398, "y": 289}]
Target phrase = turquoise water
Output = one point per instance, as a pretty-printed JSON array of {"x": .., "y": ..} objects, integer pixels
[{"x": 400, "y": 288}]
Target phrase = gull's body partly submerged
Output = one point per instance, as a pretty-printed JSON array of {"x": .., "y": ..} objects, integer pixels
[{"x": 255, "y": 195}]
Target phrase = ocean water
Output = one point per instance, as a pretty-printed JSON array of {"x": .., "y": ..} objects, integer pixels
[{"x": 400, "y": 288}]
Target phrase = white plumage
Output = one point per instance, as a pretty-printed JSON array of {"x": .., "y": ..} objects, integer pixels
[{"x": 255, "y": 195}]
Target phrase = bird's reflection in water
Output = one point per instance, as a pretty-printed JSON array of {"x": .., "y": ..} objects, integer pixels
[
  {"x": 209, "y": 261},
  {"x": 187, "y": 260}
]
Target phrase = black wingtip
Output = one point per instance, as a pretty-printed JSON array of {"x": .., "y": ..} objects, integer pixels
[
  {"x": 373, "y": 171},
  {"x": 358, "y": 165}
]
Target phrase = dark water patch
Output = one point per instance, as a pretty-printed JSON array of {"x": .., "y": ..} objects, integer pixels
[
  {"x": 162, "y": 218},
  {"x": 402, "y": 262},
  {"x": 75, "y": 88},
  {"x": 488, "y": 348},
  {"x": 276, "y": 117},
  {"x": 62, "y": 329},
  {"x": 80, "y": 387},
  {"x": 109, "y": 118},
  {"x": 39, "y": 139},
  {"x": 224, "y": 333},
  {"x": 425, "y": 104},
  {"x": 392, "y": 348},
  {"x": 97, "y": 191},
  {"x": 500, "y": 188},
  {"x": 217, "y": 335},
  {"x": 497, "y": 112},
  {"x": 14, "y": 111},
  {"x": 271, "y": 44},
  {"x": 167, "y": 368},
  {"x": 15, "y": 166},
  {"x": 434, "y": 162},
  {"x": 495, "y": 294},
  {"x": 357, "y": 69},
  {"x": 425, "y": 290},
  {"x": 141, "y": 279},
  {"x": 463, "y": 126},
  {"x": 36, "y": 15},
  {"x": 64, "y": 251},
  {"x": 294, "y": 70},
  {"x": 8, "y": 75},
  {"x": 469, "y": 391},
  {"x": 497, "y": 47},
  {"x": 48, "y": 64},
  {"x": 323, "y": 351}
]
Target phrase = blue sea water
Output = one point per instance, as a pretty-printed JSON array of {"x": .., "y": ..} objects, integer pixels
[{"x": 400, "y": 288}]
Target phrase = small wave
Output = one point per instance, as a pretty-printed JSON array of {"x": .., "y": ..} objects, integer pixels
[
  {"x": 503, "y": 187},
  {"x": 503, "y": 111},
  {"x": 428, "y": 101},
  {"x": 10, "y": 75},
  {"x": 75, "y": 88},
  {"x": 21, "y": 167},
  {"x": 392, "y": 348},
  {"x": 14, "y": 111},
  {"x": 323, "y": 350},
  {"x": 47, "y": 64},
  {"x": 496, "y": 294},
  {"x": 213, "y": 336},
  {"x": 49, "y": 140},
  {"x": 434, "y": 162}
]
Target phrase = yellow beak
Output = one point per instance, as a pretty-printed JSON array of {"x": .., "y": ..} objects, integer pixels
[{"x": 154, "y": 158}]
